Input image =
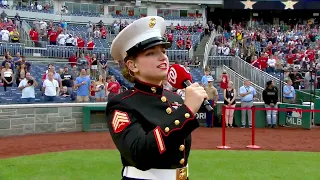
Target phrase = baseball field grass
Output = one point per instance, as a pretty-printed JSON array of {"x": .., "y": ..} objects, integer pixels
[{"x": 204, "y": 165}]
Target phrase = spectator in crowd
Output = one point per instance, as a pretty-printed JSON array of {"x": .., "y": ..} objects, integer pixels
[
  {"x": 229, "y": 96},
  {"x": 73, "y": 60},
  {"x": 100, "y": 89},
  {"x": 7, "y": 76},
  {"x": 92, "y": 91},
  {"x": 7, "y": 59},
  {"x": 17, "y": 58},
  {"x": 89, "y": 29},
  {"x": 5, "y": 34},
  {"x": 296, "y": 78},
  {"x": 271, "y": 63},
  {"x": 247, "y": 93},
  {"x": 27, "y": 87},
  {"x": 289, "y": 93},
  {"x": 97, "y": 33},
  {"x": 62, "y": 39},
  {"x": 4, "y": 16},
  {"x": 94, "y": 66},
  {"x": 108, "y": 80},
  {"x": 21, "y": 73},
  {"x": 55, "y": 75},
  {"x": 82, "y": 83},
  {"x": 113, "y": 87},
  {"x": 310, "y": 81},
  {"x": 213, "y": 97},
  {"x": 166, "y": 85},
  {"x": 64, "y": 92},
  {"x": 205, "y": 77},
  {"x": 67, "y": 80},
  {"x": 74, "y": 72},
  {"x": 17, "y": 21},
  {"x": 186, "y": 66},
  {"x": 83, "y": 62},
  {"x": 270, "y": 98},
  {"x": 50, "y": 88},
  {"x": 224, "y": 80},
  {"x": 53, "y": 35},
  {"x": 181, "y": 93},
  {"x": 88, "y": 73},
  {"x": 70, "y": 41},
  {"x": 104, "y": 63},
  {"x": 23, "y": 61},
  {"x": 34, "y": 36},
  {"x": 90, "y": 44},
  {"x": 15, "y": 36}
]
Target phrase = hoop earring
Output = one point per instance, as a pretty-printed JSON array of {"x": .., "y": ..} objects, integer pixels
[{"x": 130, "y": 73}]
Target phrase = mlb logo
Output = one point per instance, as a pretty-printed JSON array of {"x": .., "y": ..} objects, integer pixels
[{"x": 295, "y": 113}]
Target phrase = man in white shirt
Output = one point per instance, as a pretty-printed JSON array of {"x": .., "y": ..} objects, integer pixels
[
  {"x": 5, "y": 34},
  {"x": 50, "y": 88},
  {"x": 27, "y": 86},
  {"x": 39, "y": 7},
  {"x": 70, "y": 40},
  {"x": 43, "y": 25},
  {"x": 272, "y": 64},
  {"x": 226, "y": 50},
  {"x": 61, "y": 39}
]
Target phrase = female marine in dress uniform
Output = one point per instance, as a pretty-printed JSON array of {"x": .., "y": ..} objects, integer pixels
[{"x": 150, "y": 126}]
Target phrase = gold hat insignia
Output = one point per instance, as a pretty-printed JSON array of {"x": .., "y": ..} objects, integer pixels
[{"x": 152, "y": 22}]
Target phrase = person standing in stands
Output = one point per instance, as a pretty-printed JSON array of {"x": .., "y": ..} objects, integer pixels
[
  {"x": 27, "y": 86},
  {"x": 270, "y": 98},
  {"x": 113, "y": 87},
  {"x": 289, "y": 93},
  {"x": 247, "y": 93},
  {"x": 7, "y": 76},
  {"x": 82, "y": 83},
  {"x": 151, "y": 127},
  {"x": 50, "y": 88},
  {"x": 213, "y": 97},
  {"x": 205, "y": 77},
  {"x": 224, "y": 80},
  {"x": 67, "y": 80}
]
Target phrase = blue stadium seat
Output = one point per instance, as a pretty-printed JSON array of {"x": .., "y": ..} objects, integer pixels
[{"x": 9, "y": 100}]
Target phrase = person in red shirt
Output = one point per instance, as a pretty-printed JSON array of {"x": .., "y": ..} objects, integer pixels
[
  {"x": 255, "y": 62},
  {"x": 73, "y": 60},
  {"x": 311, "y": 54},
  {"x": 53, "y": 37},
  {"x": 59, "y": 30},
  {"x": 90, "y": 45},
  {"x": 224, "y": 80},
  {"x": 263, "y": 61},
  {"x": 178, "y": 27},
  {"x": 103, "y": 32},
  {"x": 34, "y": 36},
  {"x": 290, "y": 58},
  {"x": 92, "y": 89},
  {"x": 170, "y": 37},
  {"x": 180, "y": 43},
  {"x": 89, "y": 59},
  {"x": 113, "y": 87},
  {"x": 80, "y": 44},
  {"x": 184, "y": 27},
  {"x": 188, "y": 43}
]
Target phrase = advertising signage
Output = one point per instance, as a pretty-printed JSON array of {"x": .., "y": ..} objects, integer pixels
[{"x": 272, "y": 4}]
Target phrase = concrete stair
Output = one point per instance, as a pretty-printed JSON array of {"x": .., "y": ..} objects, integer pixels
[{"x": 200, "y": 49}]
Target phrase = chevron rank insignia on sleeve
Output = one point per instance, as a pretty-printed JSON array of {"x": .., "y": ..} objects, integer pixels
[{"x": 120, "y": 121}]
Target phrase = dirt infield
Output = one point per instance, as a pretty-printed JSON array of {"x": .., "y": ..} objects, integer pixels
[{"x": 203, "y": 138}]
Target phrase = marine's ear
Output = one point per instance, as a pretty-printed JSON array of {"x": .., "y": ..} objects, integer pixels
[{"x": 132, "y": 66}]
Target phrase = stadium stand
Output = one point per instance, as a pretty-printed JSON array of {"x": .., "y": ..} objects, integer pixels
[{"x": 33, "y": 45}]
